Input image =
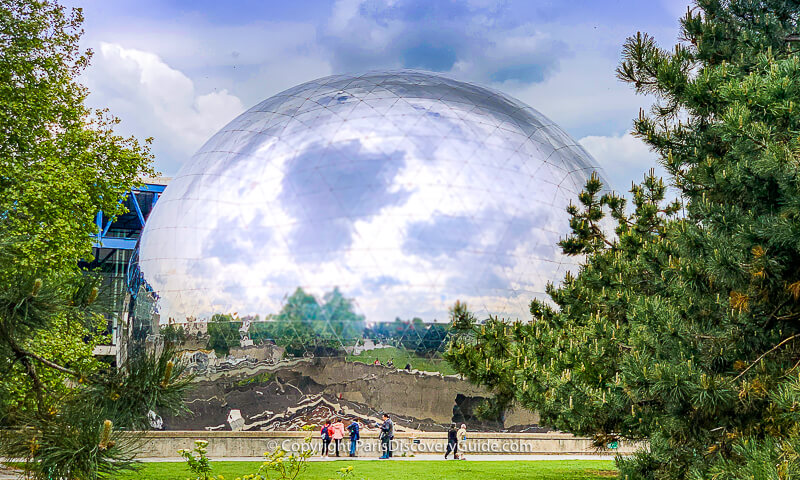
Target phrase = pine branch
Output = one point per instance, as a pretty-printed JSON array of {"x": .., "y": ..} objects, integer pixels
[{"x": 764, "y": 355}]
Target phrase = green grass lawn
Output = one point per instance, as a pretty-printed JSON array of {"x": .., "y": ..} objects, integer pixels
[
  {"x": 402, "y": 356},
  {"x": 408, "y": 470}
]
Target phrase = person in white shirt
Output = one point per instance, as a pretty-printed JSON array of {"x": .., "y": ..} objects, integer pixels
[{"x": 462, "y": 441}]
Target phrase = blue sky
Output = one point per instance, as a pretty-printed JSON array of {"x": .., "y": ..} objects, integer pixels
[{"x": 178, "y": 71}]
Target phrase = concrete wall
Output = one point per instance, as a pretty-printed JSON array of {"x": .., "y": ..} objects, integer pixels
[{"x": 254, "y": 444}]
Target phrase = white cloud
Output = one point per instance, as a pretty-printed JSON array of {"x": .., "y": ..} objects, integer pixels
[
  {"x": 154, "y": 99},
  {"x": 466, "y": 40},
  {"x": 624, "y": 158}
]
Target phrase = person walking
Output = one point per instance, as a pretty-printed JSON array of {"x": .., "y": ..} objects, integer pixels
[
  {"x": 338, "y": 434},
  {"x": 325, "y": 431},
  {"x": 387, "y": 434},
  {"x": 355, "y": 435},
  {"x": 462, "y": 440},
  {"x": 452, "y": 442}
]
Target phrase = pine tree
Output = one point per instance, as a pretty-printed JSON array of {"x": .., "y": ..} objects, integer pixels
[{"x": 681, "y": 329}]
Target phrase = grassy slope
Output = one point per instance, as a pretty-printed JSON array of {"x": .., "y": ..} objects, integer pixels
[
  {"x": 401, "y": 357},
  {"x": 408, "y": 470}
]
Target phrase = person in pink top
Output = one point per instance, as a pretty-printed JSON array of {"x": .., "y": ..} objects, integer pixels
[{"x": 338, "y": 434}]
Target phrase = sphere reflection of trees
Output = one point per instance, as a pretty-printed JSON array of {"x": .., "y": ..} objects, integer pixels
[{"x": 308, "y": 326}]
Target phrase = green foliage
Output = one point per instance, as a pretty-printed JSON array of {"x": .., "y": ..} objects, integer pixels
[
  {"x": 279, "y": 464},
  {"x": 308, "y": 326},
  {"x": 681, "y": 327},
  {"x": 433, "y": 340},
  {"x": 765, "y": 459},
  {"x": 61, "y": 161},
  {"x": 67, "y": 340},
  {"x": 223, "y": 333},
  {"x": 61, "y": 164},
  {"x": 74, "y": 437},
  {"x": 401, "y": 356},
  {"x": 198, "y": 462},
  {"x": 259, "y": 379},
  {"x": 412, "y": 334},
  {"x": 303, "y": 325},
  {"x": 283, "y": 466},
  {"x": 339, "y": 315},
  {"x": 37, "y": 318},
  {"x": 145, "y": 382},
  {"x": 173, "y": 335},
  {"x": 346, "y": 472},
  {"x": 83, "y": 448}
]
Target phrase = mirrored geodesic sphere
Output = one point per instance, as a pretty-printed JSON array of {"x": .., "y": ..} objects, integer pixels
[{"x": 405, "y": 190}]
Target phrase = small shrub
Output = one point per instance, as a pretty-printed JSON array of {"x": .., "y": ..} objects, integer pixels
[
  {"x": 198, "y": 462},
  {"x": 278, "y": 465}
]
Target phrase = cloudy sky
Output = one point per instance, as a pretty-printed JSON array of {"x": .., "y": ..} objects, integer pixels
[{"x": 177, "y": 71}]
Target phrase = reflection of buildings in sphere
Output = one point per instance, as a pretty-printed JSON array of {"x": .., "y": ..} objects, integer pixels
[{"x": 406, "y": 190}]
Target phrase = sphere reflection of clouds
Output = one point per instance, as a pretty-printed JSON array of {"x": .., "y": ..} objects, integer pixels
[{"x": 407, "y": 190}]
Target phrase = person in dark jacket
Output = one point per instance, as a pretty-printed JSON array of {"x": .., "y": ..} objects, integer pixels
[
  {"x": 326, "y": 432},
  {"x": 387, "y": 434},
  {"x": 452, "y": 442},
  {"x": 355, "y": 436}
]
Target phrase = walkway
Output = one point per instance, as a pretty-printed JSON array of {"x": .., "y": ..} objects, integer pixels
[{"x": 481, "y": 458}]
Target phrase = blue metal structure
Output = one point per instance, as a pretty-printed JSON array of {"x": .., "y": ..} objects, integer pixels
[
  {"x": 116, "y": 250},
  {"x": 122, "y": 233}
]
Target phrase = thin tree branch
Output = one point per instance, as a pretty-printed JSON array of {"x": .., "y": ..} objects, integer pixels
[
  {"x": 38, "y": 386},
  {"x": 765, "y": 354},
  {"x": 20, "y": 353},
  {"x": 53, "y": 365},
  {"x": 792, "y": 369}
]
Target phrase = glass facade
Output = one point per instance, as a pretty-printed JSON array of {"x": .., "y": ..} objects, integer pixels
[{"x": 401, "y": 191}]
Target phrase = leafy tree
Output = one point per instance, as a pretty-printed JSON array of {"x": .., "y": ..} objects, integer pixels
[
  {"x": 681, "y": 327},
  {"x": 305, "y": 325},
  {"x": 59, "y": 164},
  {"x": 61, "y": 161},
  {"x": 298, "y": 325},
  {"x": 173, "y": 335},
  {"x": 300, "y": 306},
  {"x": 66, "y": 342},
  {"x": 434, "y": 340},
  {"x": 339, "y": 314},
  {"x": 223, "y": 333}
]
